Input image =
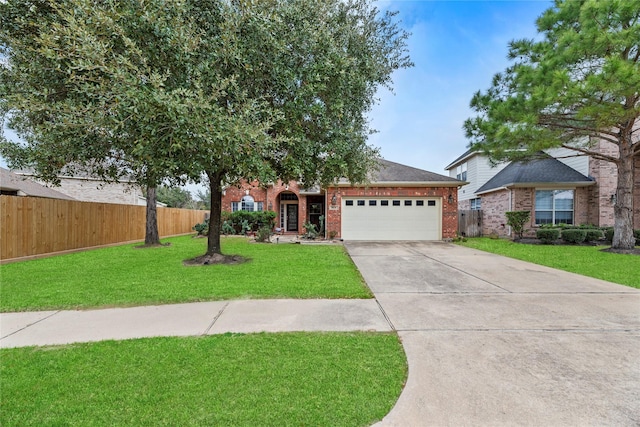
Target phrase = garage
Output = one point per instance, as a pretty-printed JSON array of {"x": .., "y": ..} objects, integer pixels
[{"x": 391, "y": 218}]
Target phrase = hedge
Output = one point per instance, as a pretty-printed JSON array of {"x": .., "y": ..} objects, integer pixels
[
  {"x": 547, "y": 235},
  {"x": 573, "y": 235}
]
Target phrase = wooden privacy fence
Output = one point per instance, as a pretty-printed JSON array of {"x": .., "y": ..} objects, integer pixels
[
  {"x": 470, "y": 223},
  {"x": 33, "y": 226}
]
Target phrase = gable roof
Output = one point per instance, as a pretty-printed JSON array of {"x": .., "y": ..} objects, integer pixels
[
  {"x": 10, "y": 181},
  {"x": 395, "y": 174},
  {"x": 464, "y": 156},
  {"x": 537, "y": 172}
]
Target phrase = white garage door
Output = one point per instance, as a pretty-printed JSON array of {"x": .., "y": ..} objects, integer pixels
[{"x": 391, "y": 218}]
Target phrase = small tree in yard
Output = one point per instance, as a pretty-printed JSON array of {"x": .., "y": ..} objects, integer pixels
[
  {"x": 516, "y": 220},
  {"x": 578, "y": 88}
]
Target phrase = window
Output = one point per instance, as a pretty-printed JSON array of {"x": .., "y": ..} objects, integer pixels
[
  {"x": 431, "y": 202},
  {"x": 408, "y": 203},
  {"x": 476, "y": 204},
  {"x": 396, "y": 203},
  {"x": 419, "y": 202},
  {"x": 384, "y": 203},
  {"x": 247, "y": 204},
  {"x": 348, "y": 202},
  {"x": 373, "y": 202},
  {"x": 360, "y": 202},
  {"x": 461, "y": 172},
  {"x": 554, "y": 207}
]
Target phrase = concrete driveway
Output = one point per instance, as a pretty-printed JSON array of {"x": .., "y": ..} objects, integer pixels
[{"x": 493, "y": 341}]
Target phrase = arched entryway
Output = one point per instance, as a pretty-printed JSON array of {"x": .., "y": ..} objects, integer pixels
[{"x": 289, "y": 211}]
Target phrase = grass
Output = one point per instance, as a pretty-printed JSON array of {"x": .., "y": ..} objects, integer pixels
[
  {"x": 124, "y": 276},
  {"x": 318, "y": 379},
  {"x": 586, "y": 260}
]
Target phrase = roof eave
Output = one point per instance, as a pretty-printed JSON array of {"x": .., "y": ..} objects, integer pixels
[
  {"x": 460, "y": 160},
  {"x": 405, "y": 184},
  {"x": 550, "y": 185}
]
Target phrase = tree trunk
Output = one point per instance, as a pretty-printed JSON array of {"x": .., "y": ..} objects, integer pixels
[
  {"x": 623, "y": 209},
  {"x": 151, "y": 235},
  {"x": 213, "y": 238}
]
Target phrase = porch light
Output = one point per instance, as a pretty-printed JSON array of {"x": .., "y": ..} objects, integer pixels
[
  {"x": 614, "y": 198},
  {"x": 450, "y": 198},
  {"x": 334, "y": 199}
]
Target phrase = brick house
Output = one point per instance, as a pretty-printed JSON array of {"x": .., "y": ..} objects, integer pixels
[
  {"x": 399, "y": 203},
  {"x": 558, "y": 189}
]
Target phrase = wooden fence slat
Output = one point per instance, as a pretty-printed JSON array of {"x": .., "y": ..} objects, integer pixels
[
  {"x": 34, "y": 226},
  {"x": 470, "y": 223}
]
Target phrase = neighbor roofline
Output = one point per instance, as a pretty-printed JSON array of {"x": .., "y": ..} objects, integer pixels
[
  {"x": 461, "y": 159},
  {"x": 539, "y": 185}
]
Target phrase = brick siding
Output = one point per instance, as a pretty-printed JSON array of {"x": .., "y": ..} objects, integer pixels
[{"x": 333, "y": 221}]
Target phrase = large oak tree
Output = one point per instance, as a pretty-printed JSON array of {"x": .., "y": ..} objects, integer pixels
[
  {"x": 261, "y": 89},
  {"x": 574, "y": 87}
]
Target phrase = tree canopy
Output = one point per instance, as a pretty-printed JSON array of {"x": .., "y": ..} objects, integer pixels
[
  {"x": 261, "y": 89},
  {"x": 577, "y": 87}
]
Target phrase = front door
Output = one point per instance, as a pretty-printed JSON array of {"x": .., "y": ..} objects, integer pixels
[{"x": 292, "y": 217}]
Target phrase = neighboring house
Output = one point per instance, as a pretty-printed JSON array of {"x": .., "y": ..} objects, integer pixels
[
  {"x": 87, "y": 189},
  {"x": 12, "y": 184},
  {"x": 399, "y": 203},
  {"x": 561, "y": 188}
]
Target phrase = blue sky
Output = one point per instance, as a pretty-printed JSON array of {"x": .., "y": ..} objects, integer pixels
[{"x": 457, "y": 48}]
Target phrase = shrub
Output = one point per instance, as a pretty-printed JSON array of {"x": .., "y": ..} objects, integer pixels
[
  {"x": 227, "y": 228},
  {"x": 516, "y": 220},
  {"x": 202, "y": 228},
  {"x": 547, "y": 235},
  {"x": 263, "y": 234},
  {"x": 311, "y": 231},
  {"x": 608, "y": 234},
  {"x": 573, "y": 235},
  {"x": 244, "y": 221},
  {"x": 593, "y": 234}
]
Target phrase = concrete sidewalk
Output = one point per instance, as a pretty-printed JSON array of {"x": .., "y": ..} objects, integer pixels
[{"x": 244, "y": 316}]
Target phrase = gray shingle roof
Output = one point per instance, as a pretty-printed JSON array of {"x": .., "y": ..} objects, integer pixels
[
  {"x": 539, "y": 171},
  {"x": 10, "y": 181},
  {"x": 396, "y": 172},
  {"x": 462, "y": 156}
]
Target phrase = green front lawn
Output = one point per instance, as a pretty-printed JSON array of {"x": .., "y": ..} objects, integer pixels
[
  {"x": 586, "y": 260},
  {"x": 124, "y": 276},
  {"x": 319, "y": 379}
]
